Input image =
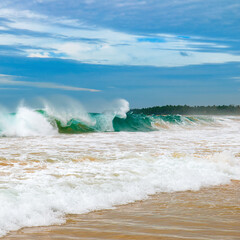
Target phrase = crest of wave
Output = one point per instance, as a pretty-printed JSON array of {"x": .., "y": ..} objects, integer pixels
[
  {"x": 120, "y": 108},
  {"x": 25, "y": 122},
  {"x": 64, "y": 109},
  {"x": 117, "y": 108}
]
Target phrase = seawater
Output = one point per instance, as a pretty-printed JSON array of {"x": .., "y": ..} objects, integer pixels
[{"x": 47, "y": 172}]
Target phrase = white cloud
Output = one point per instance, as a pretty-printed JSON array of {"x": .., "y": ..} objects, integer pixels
[
  {"x": 3, "y": 28},
  {"x": 9, "y": 80},
  {"x": 66, "y": 38},
  {"x": 237, "y": 79},
  {"x": 17, "y": 14},
  {"x": 74, "y": 48},
  {"x": 39, "y": 55}
]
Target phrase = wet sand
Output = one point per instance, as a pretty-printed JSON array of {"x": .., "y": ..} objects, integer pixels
[{"x": 211, "y": 213}]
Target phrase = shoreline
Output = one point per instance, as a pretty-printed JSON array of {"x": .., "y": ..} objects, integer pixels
[{"x": 211, "y": 213}]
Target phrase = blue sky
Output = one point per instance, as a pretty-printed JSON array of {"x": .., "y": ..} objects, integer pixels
[{"x": 147, "y": 51}]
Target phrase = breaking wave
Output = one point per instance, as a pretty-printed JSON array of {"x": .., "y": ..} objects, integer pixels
[
  {"x": 74, "y": 119},
  {"x": 45, "y": 178}
]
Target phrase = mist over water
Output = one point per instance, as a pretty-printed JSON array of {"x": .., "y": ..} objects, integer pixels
[
  {"x": 69, "y": 116},
  {"x": 46, "y": 173},
  {"x": 62, "y": 116}
]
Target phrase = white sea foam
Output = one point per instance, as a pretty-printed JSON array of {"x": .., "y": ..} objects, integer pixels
[
  {"x": 43, "y": 178},
  {"x": 47, "y": 175},
  {"x": 28, "y": 122},
  {"x": 121, "y": 107},
  {"x": 118, "y": 108},
  {"x": 25, "y": 122},
  {"x": 66, "y": 111},
  {"x": 44, "y": 196}
]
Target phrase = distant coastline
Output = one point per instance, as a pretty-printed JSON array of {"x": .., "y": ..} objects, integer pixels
[{"x": 189, "y": 110}]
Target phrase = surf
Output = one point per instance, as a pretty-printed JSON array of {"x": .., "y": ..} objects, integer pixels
[
  {"x": 73, "y": 119},
  {"x": 59, "y": 159}
]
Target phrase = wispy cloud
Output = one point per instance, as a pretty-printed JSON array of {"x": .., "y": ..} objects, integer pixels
[
  {"x": 39, "y": 55},
  {"x": 237, "y": 79},
  {"x": 10, "y": 80},
  {"x": 9, "y": 88},
  {"x": 62, "y": 37},
  {"x": 3, "y": 28},
  {"x": 130, "y": 4}
]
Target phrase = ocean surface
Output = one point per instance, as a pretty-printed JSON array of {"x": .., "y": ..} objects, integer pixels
[{"x": 60, "y": 162}]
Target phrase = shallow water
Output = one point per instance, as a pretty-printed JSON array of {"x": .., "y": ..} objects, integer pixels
[
  {"x": 211, "y": 213},
  {"x": 43, "y": 179}
]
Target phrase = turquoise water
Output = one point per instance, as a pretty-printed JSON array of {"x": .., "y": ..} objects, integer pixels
[{"x": 92, "y": 122}]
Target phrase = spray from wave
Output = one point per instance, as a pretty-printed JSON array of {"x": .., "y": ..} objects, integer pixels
[{"x": 70, "y": 117}]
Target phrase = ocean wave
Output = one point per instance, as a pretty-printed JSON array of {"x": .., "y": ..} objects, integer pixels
[
  {"x": 49, "y": 175},
  {"x": 74, "y": 119}
]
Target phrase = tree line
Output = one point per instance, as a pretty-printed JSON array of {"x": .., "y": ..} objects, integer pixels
[{"x": 189, "y": 110}]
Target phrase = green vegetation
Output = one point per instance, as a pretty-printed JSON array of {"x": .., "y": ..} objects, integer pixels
[{"x": 188, "y": 110}]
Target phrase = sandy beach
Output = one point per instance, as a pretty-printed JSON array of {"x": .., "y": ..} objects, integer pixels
[
  {"x": 119, "y": 120},
  {"x": 211, "y": 213},
  {"x": 176, "y": 183}
]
